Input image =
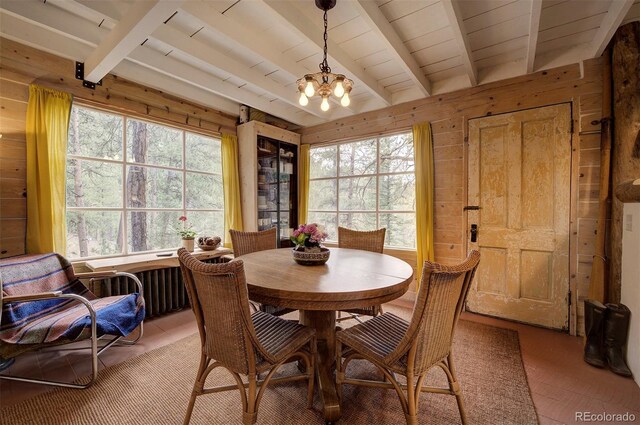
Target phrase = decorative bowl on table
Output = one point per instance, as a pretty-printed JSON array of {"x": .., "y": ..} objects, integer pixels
[
  {"x": 311, "y": 257},
  {"x": 208, "y": 243}
]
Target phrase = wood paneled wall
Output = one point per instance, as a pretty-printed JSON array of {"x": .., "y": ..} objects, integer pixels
[
  {"x": 449, "y": 113},
  {"x": 20, "y": 66}
]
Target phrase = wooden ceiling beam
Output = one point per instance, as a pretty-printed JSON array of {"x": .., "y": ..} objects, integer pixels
[
  {"x": 452, "y": 9},
  {"x": 618, "y": 9},
  {"x": 534, "y": 29},
  {"x": 62, "y": 33},
  {"x": 375, "y": 19},
  {"x": 310, "y": 31},
  {"x": 205, "y": 81},
  {"x": 140, "y": 20},
  {"x": 52, "y": 41},
  {"x": 222, "y": 88},
  {"x": 212, "y": 56},
  {"x": 245, "y": 38}
]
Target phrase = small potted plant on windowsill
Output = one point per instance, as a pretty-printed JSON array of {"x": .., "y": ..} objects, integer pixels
[
  {"x": 308, "y": 250},
  {"x": 187, "y": 233}
]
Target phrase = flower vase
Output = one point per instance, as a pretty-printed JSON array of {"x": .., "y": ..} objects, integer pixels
[
  {"x": 188, "y": 244},
  {"x": 315, "y": 256}
]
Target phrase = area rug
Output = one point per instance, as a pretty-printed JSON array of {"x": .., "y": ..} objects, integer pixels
[{"x": 154, "y": 389}]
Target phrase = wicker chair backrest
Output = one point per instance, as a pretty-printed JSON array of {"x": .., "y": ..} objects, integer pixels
[
  {"x": 248, "y": 242},
  {"x": 372, "y": 240},
  {"x": 219, "y": 299},
  {"x": 441, "y": 297}
]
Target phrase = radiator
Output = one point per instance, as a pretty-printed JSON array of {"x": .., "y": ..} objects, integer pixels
[{"x": 163, "y": 289}]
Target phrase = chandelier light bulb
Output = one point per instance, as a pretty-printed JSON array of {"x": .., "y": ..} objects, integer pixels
[
  {"x": 309, "y": 90},
  {"x": 339, "y": 90},
  {"x": 325, "y": 104},
  {"x": 324, "y": 83},
  {"x": 345, "y": 101}
]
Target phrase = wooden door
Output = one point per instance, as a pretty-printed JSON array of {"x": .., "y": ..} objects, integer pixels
[{"x": 519, "y": 175}]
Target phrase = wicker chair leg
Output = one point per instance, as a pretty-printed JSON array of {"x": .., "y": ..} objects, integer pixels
[
  {"x": 250, "y": 415},
  {"x": 411, "y": 414},
  {"x": 454, "y": 385},
  {"x": 198, "y": 385}
]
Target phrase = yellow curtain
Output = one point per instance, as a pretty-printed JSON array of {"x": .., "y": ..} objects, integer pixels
[
  {"x": 48, "y": 114},
  {"x": 423, "y": 152},
  {"x": 231, "y": 185},
  {"x": 303, "y": 190}
]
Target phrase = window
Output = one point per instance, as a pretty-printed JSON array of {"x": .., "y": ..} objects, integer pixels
[
  {"x": 365, "y": 185},
  {"x": 129, "y": 180}
]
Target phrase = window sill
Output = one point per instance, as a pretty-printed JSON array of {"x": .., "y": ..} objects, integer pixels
[{"x": 139, "y": 262}]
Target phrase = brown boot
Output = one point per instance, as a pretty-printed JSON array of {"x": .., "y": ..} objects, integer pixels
[
  {"x": 616, "y": 331},
  {"x": 594, "y": 317}
]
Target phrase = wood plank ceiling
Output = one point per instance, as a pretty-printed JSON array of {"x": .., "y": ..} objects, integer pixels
[{"x": 222, "y": 53}]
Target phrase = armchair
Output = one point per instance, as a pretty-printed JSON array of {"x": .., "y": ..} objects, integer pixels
[{"x": 44, "y": 304}]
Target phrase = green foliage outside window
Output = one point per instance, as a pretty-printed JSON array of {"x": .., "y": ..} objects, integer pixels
[
  {"x": 128, "y": 181},
  {"x": 365, "y": 185}
]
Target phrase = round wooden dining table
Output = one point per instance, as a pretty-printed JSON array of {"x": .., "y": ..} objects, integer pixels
[{"x": 350, "y": 279}]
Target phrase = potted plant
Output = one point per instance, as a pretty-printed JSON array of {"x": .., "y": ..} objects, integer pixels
[
  {"x": 187, "y": 233},
  {"x": 308, "y": 250}
]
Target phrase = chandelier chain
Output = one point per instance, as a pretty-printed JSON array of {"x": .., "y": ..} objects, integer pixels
[
  {"x": 324, "y": 83},
  {"x": 324, "y": 66}
]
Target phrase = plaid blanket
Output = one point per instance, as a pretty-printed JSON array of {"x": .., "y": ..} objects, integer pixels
[{"x": 46, "y": 321}]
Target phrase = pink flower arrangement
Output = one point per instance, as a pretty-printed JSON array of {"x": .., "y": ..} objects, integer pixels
[
  {"x": 185, "y": 231},
  {"x": 308, "y": 235}
]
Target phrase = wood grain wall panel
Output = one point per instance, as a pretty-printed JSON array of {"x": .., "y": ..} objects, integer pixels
[
  {"x": 590, "y": 141},
  {"x": 449, "y": 194},
  {"x": 590, "y": 122},
  {"x": 449, "y": 113},
  {"x": 13, "y": 169},
  {"x": 590, "y": 102},
  {"x": 448, "y": 152},
  {"x": 590, "y": 175},
  {"x": 10, "y": 148},
  {"x": 17, "y": 208},
  {"x": 20, "y": 66},
  {"x": 10, "y": 247}
]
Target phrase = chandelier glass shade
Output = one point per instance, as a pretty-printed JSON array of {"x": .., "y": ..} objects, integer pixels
[{"x": 325, "y": 83}]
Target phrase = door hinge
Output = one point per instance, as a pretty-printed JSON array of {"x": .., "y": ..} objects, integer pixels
[{"x": 569, "y": 301}]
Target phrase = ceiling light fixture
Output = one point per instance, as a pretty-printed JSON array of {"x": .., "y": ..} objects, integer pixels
[{"x": 325, "y": 82}]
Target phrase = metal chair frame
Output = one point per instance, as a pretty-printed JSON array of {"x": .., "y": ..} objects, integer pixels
[{"x": 95, "y": 351}]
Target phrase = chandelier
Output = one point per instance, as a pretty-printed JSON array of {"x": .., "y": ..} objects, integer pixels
[{"x": 325, "y": 82}]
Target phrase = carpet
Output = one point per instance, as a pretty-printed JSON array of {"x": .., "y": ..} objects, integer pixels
[{"x": 154, "y": 389}]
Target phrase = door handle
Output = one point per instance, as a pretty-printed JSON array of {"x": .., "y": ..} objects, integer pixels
[
  {"x": 474, "y": 233},
  {"x": 471, "y": 208}
]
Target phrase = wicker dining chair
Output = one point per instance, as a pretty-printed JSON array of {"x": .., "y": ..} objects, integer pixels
[
  {"x": 248, "y": 242},
  {"x": 243, "y": 343},
  {"x": 373, "y": 241},
  {"x": 412, "y": 348}
]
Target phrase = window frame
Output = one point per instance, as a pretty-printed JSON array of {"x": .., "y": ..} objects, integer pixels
[
  {"x": 377, "y": 175},
  {"x": 124, "y": 163}
]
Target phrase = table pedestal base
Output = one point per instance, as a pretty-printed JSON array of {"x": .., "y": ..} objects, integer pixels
[{"x": 324, "y": 322}]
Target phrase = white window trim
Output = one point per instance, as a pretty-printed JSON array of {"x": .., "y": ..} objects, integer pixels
[
  {"x": 124, "y": 163},
  {"x": 376, "y": 175}
]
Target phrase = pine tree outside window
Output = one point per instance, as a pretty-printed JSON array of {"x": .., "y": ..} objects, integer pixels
[
  {"x": 129, "y": 180},
  {"x": 365, "y": 185}
]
